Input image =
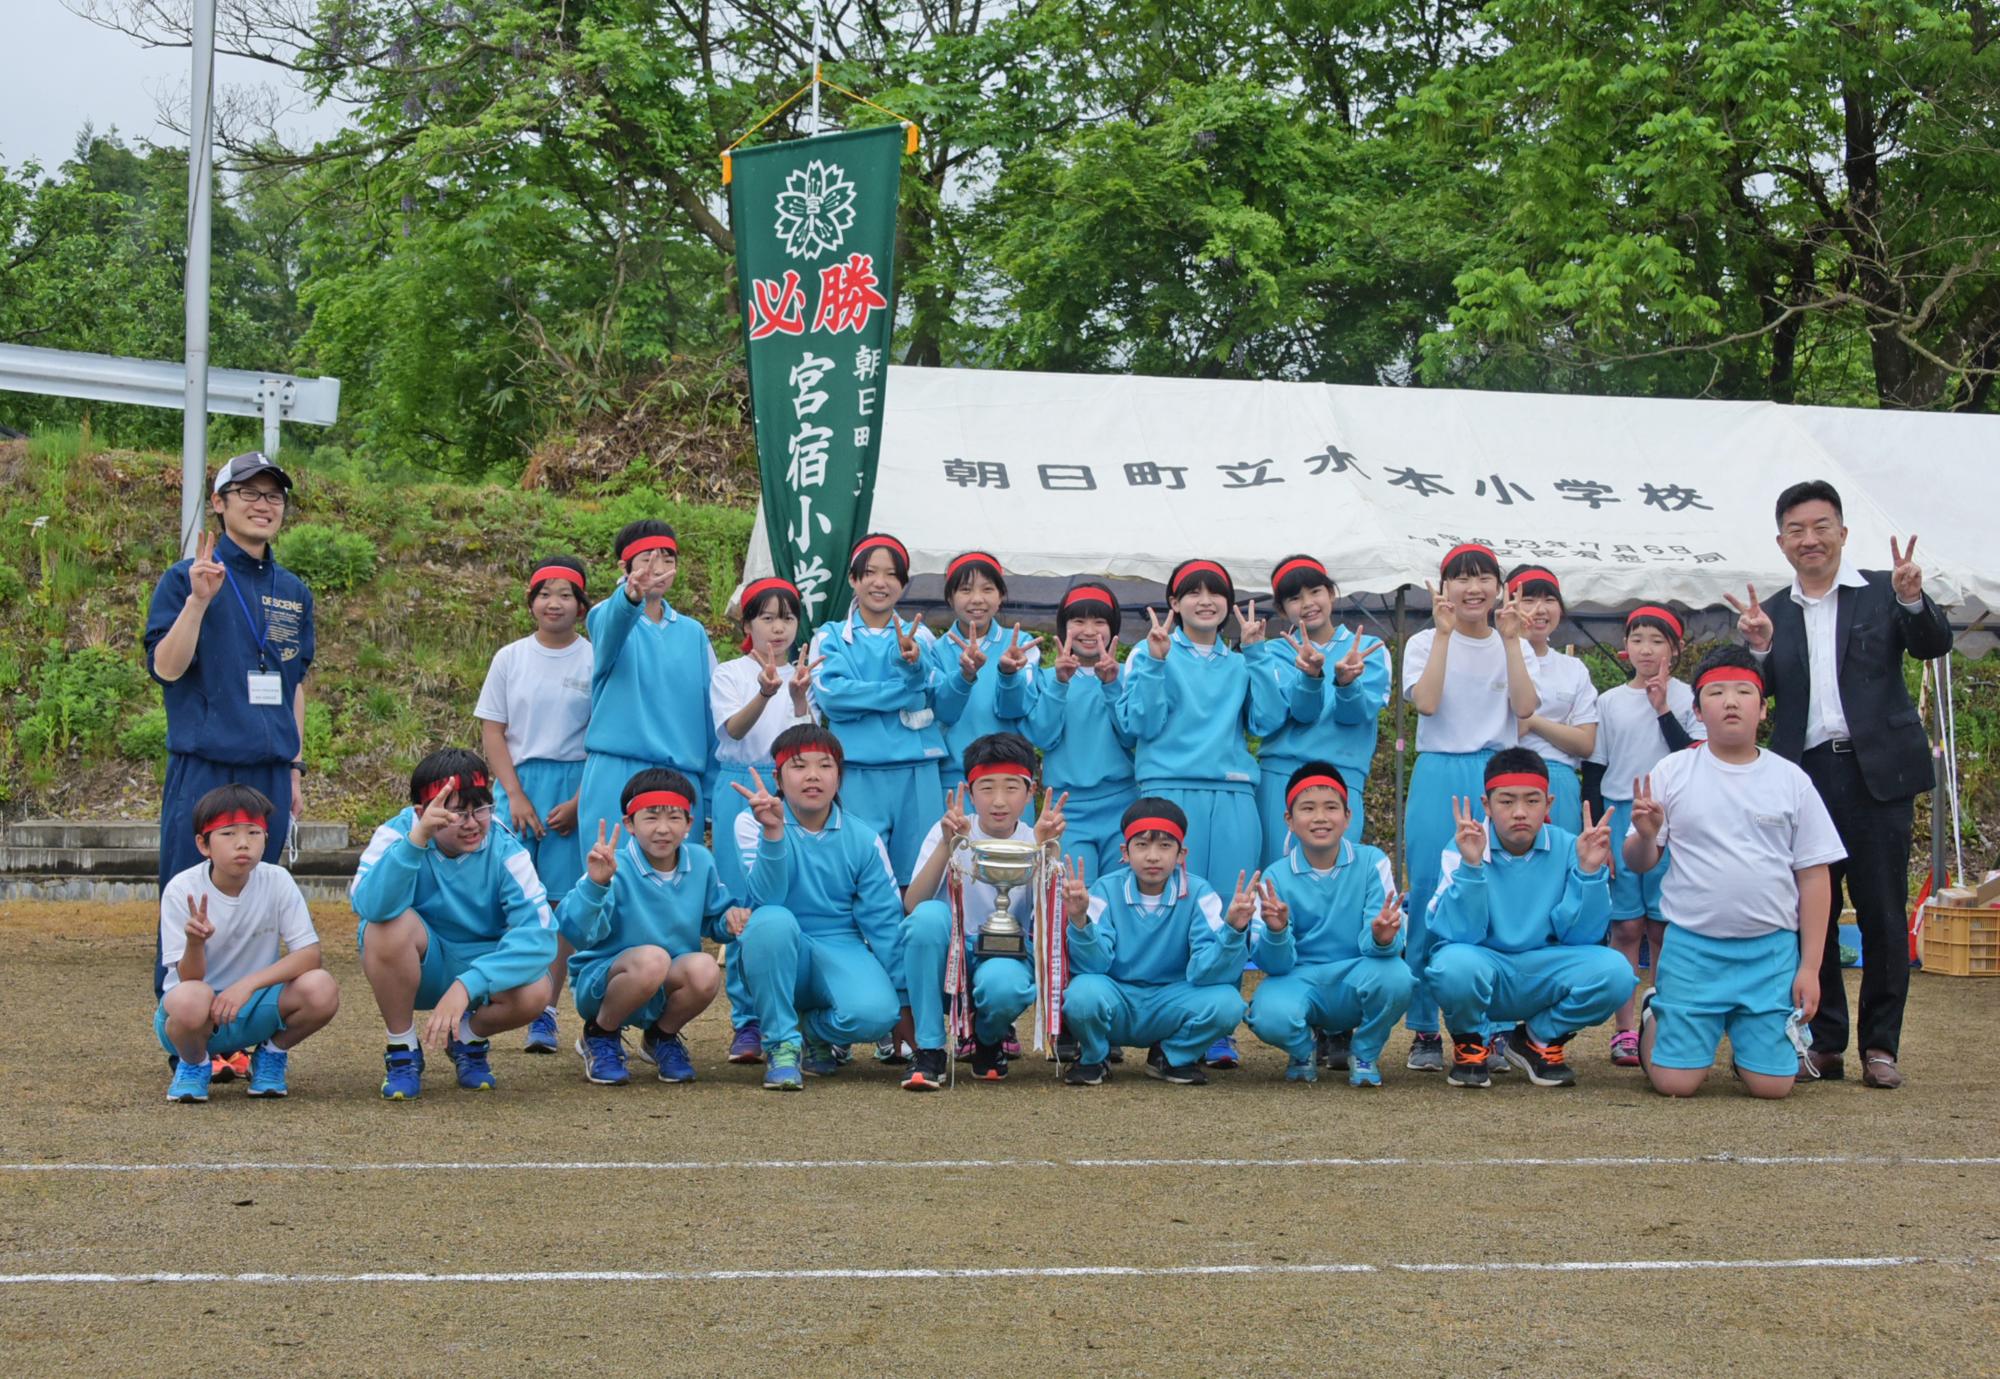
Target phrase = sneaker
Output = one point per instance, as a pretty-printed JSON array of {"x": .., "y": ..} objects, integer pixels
[
  {"x": 1426, "y": 1053},
  {"x": 1333, "y": 1049},
  {"x": 1302, "y": 1070},
  {"x": 1496, "y": 1055},
  {"x": 1011, "y": 1044},
  {"x": 603, "y": 1058},
  {"x": 1222, "y": 1054},
  {"x": 1625, "y": 1048},
  {"x": 1468, "y": 1063},
  {"x": 1067, "y": 1049},
  {"x": 191, "y": 1081},
  {"x": 1545, "y": 1064},
  {"x": 542, "y": 1034},
  {"x": 963, "y": 1052},
  {"x": 670, "y": 1055},
  {"x": 1156, "y": 1057},
  {"x": 227, "y": 1067},
  {"x": 781, "y": 1074},
  {"x": 1180, "y": 1074},
  {"x": 1085, "y": 1074},
  {"x": 402, "y": 1073},
  {"x": 843, "y": 1054},
  {"x": 926, "y": 1071},
  {"x": 893, "y": 1051},
  {"x": 820, "y": 1059},
  {"x": 1362, "y": 1073},
  {"x": 748, "y": 1045},
  {"x": 267, "y": 1071},
  {"x": 989, "y": 1061},
  {"x": 475, "y": 1073},
  {"x": 1116, "y": 1055}
]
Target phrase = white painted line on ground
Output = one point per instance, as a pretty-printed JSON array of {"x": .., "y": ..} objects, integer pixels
[
  {"x": 806, "y": 1165},
  {"x": 1571, "y": 1266}
]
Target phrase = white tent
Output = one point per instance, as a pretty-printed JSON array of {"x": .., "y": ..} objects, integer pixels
[{"x": 1624, "y": 498}]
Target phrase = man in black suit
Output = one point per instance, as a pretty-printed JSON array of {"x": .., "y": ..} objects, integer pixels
[{"x": 1833, "y": 658}]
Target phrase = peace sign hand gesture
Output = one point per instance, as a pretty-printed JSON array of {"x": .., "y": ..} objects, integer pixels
[
  {"x": 1243, "y": 904},
  {"x": 1049, "y": 821},
  {"x": 1648, "y": 814},
  {"x": 956, "y": 823},
  {"x": 199, "y": 930},
  {"x": 1907, "y": 577},
  {"x": 766, "y": 808},
  {"x": 1276, "y": 912},
  {"x": 1107, "y": 664},
  {"x": 1250, "y": 627},
  {"x": 1470, "y": 833},
  {"x": 1310, "y": 660},
  {"x": 971, "y": 657},
  {"x": 802, "y": 677},
  {"x": 441, "y": 812},
  {"x": 1076, "y": 892},
  {"x": 768, "y": 679},
  {"x": 1656, "y": 688},
  {"x": 205, "y": 571},
  {"x": 1066, "y": 662},
  {"x": 1016, "y": 654},
  {"x": 1593, "y": 845},
  {"x": 1159, "y": 637},
  {"x": 1508, "y": 622},
  {"x": 1388, "y": 920},
  {"x": 601, "y": 862},
  {"x": 1753, "y": 622},
  {"x": 1444, "y": 613},
  {"x": 906, "y": 639},
  {"x": 1349, "y": 667}
]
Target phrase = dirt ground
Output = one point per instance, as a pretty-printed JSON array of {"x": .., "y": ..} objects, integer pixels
[{"x": 705, "y": 1180}]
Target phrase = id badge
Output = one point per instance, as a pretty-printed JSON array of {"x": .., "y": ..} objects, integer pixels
[{"x": 266, "y": 688}]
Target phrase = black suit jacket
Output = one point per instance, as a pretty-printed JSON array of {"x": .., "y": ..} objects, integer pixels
[{"x": 1872, "y": 634}]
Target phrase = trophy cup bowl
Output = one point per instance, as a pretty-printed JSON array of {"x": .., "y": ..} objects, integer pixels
[{"x": 1003, "y": 864}]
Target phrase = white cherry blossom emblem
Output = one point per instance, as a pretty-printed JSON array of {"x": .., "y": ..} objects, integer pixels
[{"x": 815, "y": 210}]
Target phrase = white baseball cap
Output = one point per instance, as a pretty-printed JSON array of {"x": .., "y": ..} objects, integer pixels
[{"x": 243, "y": 468}]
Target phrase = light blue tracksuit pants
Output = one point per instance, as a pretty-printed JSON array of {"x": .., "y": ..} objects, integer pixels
[
  {"x": 1184, "y": 1019},
  {"x": 1001, "y": 987},
  {"x": 830, "y": 984},
  {"x": 1555, "y": 991},
  {"x": 1427, "y": 831},
  {"x": 1366, "y": 994}
]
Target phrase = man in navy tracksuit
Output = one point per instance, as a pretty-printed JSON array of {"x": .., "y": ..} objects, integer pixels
[{"x": 229, "y": 637}]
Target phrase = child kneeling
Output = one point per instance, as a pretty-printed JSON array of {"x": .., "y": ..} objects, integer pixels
[
  {"x": 453, "y": 920},
  {"x": 1520, "y": 926},
  {"x": 227, "y": 988},
  {"x": 637, "y": 920},
  {"x": 1328, "y": 936},
  {"x": 1155, "y": 956},
  {"x": 1746, "y": 894}
]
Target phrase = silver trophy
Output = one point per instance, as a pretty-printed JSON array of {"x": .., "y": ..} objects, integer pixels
[{"x": 1003, "y": 864}]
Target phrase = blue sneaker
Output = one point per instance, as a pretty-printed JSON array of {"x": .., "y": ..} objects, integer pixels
[
  {"x": 820, "y": 1059},
  {"x": 1362, "y": 1073},
  {"x": 781, "y": 1072},
  {"x": 748, "y": 1045},
  {"x": 402, "y": 1073},
  {"x": 267, "y": 1071},
  {"x": 475, "y": 1073},
  {"x": 542, "y": 1034},
  {"x": 1222, "y": 1054},
  {"x": 190, "y": 1082},
  {"x": 603, "y": 1059},
  {"x": 670, "y": 1056},
  {"x": 1302, "y": 1069}
]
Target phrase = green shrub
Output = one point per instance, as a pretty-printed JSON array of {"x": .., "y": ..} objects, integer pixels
[
  {"x": 317, "y": 750},
  {"x": 80, "y": 697},
  {"x": 328, "y": 559},
  {"x": 12, "y": 586},
  {"x": 145, "y": 736}
]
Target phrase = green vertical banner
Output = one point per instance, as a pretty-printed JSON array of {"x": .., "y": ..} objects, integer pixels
[{"x": 815, "y": 226}]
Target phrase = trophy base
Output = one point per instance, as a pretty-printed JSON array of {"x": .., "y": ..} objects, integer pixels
[{"x": 992, "y": 945}]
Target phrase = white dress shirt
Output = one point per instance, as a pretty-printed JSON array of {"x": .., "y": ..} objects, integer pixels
[{"x": 1825, "y": 719}]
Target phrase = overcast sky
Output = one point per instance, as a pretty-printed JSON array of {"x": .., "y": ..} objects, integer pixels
[{"x": 59, "y": 72}]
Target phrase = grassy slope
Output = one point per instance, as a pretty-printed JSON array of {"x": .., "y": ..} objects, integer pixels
[{"x": 401, "y": 654}]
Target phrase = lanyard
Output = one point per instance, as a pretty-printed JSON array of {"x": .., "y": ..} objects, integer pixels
[{"x": 263, "y": 644}]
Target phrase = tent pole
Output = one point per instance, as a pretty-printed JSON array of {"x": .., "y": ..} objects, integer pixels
[{"x": 1396, "y": 697}]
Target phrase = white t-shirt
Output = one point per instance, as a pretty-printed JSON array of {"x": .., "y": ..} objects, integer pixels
[
  {"x": 1472, "y": 714},
  {"x": 1629, "y": 742},
  {"x": 1568, "y": 697},
  {"x": 542, "y": 695},
  {"x": 1738, "y": 835},
  {"x": 733, "y": 685},
  {"x": 981, "y": 900},
  {"x": 248, "y": 927}
]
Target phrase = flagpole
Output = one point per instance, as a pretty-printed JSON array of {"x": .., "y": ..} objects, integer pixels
[
  {"x": 819, "y": 33},
  {"x": 194, "y": 401}
]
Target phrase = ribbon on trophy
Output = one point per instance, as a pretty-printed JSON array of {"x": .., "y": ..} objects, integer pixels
[
  {"x": 1051, "y": 949},
  {"x": 957, "y": 971}
]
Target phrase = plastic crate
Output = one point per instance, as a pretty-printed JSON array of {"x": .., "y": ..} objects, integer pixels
[{"x": 1960, "y": 941}]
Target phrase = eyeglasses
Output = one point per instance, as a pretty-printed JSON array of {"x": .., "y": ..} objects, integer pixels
[
  {"x": 1822, "y": 529},
  {"x": 482, "y": 815},
  {"x": 260, "y": 497}
]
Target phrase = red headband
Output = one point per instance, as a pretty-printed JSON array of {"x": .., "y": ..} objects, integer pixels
[
  {"x": 1304, "y": 562},
  {"x": 649, "y": 543},
  {"x": 970, "y": 558},
  {"x": 658, "y": 799},
  {"x": 439, "y": 787},
  {"x": 1087, "y": 593},
  {"x": 999, "y": 768},
  {"x": 1467, "y": 548},
  {"x": 1518, "y": 780},
  {"x": 756, "y": 589},
  {"x": 1529, "y": 576},
  {"x": 1653, "y": 610},
  {"x": 1308, "y": 783},
  {"x": 235, "y": 816},
  {"x": 1743, "y": 673},
  {"x": 887, "y": 543},
  {"x": 1195, "y": 567},
  {"x": 556, "y": 572},
  {"x": 778, "y": 759},
  {"x": 1155, "y": 825}
]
